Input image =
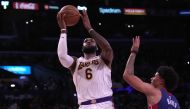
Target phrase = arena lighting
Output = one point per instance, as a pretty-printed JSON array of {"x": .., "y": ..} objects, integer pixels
[
  {"x": 26, "y": 22},
  {"x": 23, "y": 77},
  {"x": 12, "y": 85},
  {"x": 5, "y": 4},
  {"x": 19, "y": 70},
  {"x": 36, "y": 86},
  {"x": 130, "y": 26},
  {"x": 134, "y": 11},
  {"x": 110, "y": 10},
  {"x": 185, "y": 12},
  {"x": 81, "y": 7},
  {"x": 25, "y": 6},
  {"x": 128, "y": 89}
]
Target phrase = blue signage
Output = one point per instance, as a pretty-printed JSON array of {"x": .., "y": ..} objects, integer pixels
[
  {"x": 19, "y": 70},
  {"x": 110, "y": 10}
]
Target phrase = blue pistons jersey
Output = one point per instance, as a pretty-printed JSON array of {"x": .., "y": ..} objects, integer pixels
[{"x": 167, "y": 101}]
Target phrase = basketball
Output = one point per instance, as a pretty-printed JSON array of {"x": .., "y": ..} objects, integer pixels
[{"x": 72, "y": 15}]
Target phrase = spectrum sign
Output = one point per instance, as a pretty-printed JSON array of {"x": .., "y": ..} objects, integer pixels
[{"x": 110, "y": 10}]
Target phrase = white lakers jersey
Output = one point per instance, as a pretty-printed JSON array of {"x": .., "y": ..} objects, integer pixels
[{"x": 92, "y": 79}]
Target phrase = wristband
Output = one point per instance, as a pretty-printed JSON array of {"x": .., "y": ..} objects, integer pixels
[
  {"x": 90, "y": 30},
  {"x": 135, "y": 52},
  {"x": 63, "y": 30}
]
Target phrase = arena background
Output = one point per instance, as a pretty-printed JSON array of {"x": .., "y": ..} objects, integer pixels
[{"x": 31, "y": 76}]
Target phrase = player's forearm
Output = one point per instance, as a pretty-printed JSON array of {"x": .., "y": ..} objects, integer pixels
[
  {"x": 62, "y": 52},
  {"x": 129, "y": 69},
  {"x": 100, "y": 40},
  {"x": 62, "y": 45}
]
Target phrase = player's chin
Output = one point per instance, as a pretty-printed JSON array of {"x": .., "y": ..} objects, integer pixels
[{"x": 88, "y": 46}]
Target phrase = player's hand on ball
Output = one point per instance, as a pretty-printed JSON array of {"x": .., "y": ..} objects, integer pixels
[
  {"x": 136, "y": 44},
  {"x": 60, "y": 20},
  {"x": 85, "y": 20}
]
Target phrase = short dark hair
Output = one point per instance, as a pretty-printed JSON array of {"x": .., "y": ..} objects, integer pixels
[{"x": 170, "y": 77}]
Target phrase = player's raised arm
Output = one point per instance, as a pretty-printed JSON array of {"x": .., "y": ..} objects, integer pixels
[
  {"x": 65, "y": 59},
  {"x": 107, "y": 52},
  {"x": 129, "y": 76}
]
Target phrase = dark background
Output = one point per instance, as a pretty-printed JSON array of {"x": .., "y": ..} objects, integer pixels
[{"x": 164, "y": 41}]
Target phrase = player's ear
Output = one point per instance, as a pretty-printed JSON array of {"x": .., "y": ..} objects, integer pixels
[
  {"x": 162, "y": 81},
  {"x": 82, "y": 48}
]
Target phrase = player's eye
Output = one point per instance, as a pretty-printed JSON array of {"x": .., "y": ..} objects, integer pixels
[
  {"x": 85, "y": 40},
  {"x": 92, "y": 40}
]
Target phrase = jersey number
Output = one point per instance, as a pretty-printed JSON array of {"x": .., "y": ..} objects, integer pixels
[{"x": 88, "y": 73}]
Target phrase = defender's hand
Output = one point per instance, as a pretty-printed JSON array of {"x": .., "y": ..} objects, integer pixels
[{"x": 136, "y": 44}]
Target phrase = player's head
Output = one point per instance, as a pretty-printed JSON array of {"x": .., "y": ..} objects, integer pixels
[
  {"x": 89, "y": 46},
  {"x": 167, "y": 77}
]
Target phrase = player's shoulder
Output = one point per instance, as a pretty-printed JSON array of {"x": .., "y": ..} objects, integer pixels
[
  {"x": 97, "y": 57},
  {"x": 80, "y": 58}
]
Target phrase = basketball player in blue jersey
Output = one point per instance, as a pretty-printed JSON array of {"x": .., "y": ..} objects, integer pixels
[
  {"x": 91, "y": 72},
  {"x": 158, "y": 92}
]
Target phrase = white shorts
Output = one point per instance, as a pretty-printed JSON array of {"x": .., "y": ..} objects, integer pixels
[{"x": 103, "y": 105}]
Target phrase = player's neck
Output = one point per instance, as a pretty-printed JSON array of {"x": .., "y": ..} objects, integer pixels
[
  {"x": 160, "y": 87},
  {"x": 88, "y": 56}
]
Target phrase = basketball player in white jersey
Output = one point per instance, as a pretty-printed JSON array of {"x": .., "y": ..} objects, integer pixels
[{"x": 91, "y": 73}]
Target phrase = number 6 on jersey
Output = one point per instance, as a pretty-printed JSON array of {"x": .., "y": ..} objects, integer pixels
[{"x": 88, "y": 73}]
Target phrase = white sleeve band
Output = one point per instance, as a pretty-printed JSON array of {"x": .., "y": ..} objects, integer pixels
[{"x": 62, "y": 52}]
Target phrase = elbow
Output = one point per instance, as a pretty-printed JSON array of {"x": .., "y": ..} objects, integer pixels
[
  {"x": 66, "y": 60},
  {"x": 126, "y": 75},
  {"x": 62, "y": 57}
]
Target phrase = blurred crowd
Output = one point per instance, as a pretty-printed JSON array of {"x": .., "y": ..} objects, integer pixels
[{"x": 54, "y": 93}]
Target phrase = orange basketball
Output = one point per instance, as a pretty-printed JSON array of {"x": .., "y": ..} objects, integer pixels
[{"x": 72, "y": 15}]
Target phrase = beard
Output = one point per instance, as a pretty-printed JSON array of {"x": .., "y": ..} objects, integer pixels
[{"x": 89, "y": 50}]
